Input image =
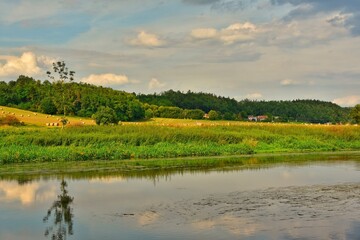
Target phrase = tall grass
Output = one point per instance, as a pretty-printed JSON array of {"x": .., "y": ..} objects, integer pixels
[{"x": 32, "y": 144}]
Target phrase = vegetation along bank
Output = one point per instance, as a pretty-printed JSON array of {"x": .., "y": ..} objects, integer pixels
[{"x": 169, "y": 138}]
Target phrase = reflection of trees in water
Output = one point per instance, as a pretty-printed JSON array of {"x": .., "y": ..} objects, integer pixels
[{"x": 61, "y": 212}]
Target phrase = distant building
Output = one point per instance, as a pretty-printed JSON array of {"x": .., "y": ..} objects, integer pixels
[
  {"x": 206, "y": 115},
  {"x": 257, "y": 118},
  {"x": 262, "y": 118},
  {"x": 252, "y": 118}
]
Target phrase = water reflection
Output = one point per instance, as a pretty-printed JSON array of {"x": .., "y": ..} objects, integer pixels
[
  {"x": 220, "y": 165},
  {"x": 26, "y": 193},
  {"x": 62, "y": 214}
]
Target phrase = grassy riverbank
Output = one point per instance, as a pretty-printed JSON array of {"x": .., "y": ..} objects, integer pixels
[
  {"x": 164, "y": 138},
  {"x": 153, "y": 168}
]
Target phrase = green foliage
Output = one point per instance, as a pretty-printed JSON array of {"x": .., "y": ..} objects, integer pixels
[
  {"x": 105, "y": 116},
  {"x": 355, "y": 113},
  {"x": 64, "y": 121},
  {"x": 62, "y": 71},
  {"x": 312, "y": 111},
  {"x": 18, "y": 145},
  {"x": 214, "y": 115},
  {"x": 193, "y": 114},
  {"x": 47, "y": 106},
  {"x": 69, "y": 98},
  {"x": 170, "y": 112}
]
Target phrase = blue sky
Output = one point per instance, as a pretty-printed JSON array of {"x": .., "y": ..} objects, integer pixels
[{"x": 256, "y": 49}]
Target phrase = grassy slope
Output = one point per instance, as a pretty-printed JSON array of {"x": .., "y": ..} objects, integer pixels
[{"x": 39, "y": 119}]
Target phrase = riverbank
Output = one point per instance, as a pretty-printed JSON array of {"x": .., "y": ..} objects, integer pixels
[
  {"x": 157, "y": 140},
  {"x": 161, "y": 167}
]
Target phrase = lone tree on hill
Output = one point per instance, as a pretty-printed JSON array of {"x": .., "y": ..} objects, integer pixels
[{"x": 64, "y": 75}]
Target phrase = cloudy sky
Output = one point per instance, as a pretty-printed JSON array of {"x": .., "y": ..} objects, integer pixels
[{"x": 256, "y": 49}]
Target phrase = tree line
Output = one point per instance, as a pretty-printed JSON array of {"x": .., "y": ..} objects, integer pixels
[
  {"x": 313, "y": 111},
  {"x": 109, "y": 105},
  {"x": 69, "y": 98}
]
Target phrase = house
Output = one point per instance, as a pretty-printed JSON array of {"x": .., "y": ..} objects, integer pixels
[
  {"x": 257, "y": 118},
  {"x": 262, "y": 118},
  {"x": 252, "y": 118}
]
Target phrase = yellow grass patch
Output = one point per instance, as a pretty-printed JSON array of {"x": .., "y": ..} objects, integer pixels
[{"x": 39, "y": 119}]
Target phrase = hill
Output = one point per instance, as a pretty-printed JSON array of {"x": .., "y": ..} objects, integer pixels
[
  {"x": 84, "y": 100},
  {"x": 313, "y": 111},
  {"x": 74, "y": 99}
]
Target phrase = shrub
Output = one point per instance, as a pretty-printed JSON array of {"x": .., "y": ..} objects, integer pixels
[
  {"x": 10, "y": 120},
  {"x": 105, "y": 116}
]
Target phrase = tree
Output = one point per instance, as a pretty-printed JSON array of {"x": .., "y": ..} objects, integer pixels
[
  {"x": 64, "y": 74},
  {"x": 62, "y": 70},
  {"x": 355, "y": 113},
  {"x": 105, "y": 116},
  {"x": 170, "y": 112},
  {"x": 193, "y": 113},
  {"x": 214, "y": 115},
  {"x": 47, "y": 106},
  {"x": 64, "y": 121}
]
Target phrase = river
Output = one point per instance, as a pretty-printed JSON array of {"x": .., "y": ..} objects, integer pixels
[{"x": 306, "y": 200}]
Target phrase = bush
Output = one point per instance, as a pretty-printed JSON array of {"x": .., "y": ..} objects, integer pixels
[
  {"x": 10, "y": 120},
  {"x": 105, "y": 116}
]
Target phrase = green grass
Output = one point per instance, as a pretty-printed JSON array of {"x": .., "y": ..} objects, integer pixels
[{"x": 173, "y": 139}]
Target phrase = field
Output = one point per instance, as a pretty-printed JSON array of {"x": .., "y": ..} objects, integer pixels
[
  {"x": 39, "y": 119},
  {"x": 164, "y": 138}
]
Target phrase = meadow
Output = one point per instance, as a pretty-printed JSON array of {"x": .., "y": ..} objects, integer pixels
[{"x": 166, "y": 138}]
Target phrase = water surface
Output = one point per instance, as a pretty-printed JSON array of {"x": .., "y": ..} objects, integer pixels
[{"x": 306, "y": 200}]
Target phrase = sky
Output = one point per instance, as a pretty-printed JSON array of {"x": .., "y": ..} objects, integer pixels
[{"x": 254, "y": 49}]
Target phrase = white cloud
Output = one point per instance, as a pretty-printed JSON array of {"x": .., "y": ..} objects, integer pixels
[
  {"x": 147, "y": 40},
  {"x": 204, "y": 33},
  {"x": 154, "y": 84},
  {"x": 26, "y": 64},
  {"x": 107, "y": 79},
  {"x": 348, "y": 101},
  {"x": 237, "y": 32},
  {"x": 46, "y": 61},
  {"x": 247, "y": 26},
  {"x": 254, "y": 96},
  {"x": 339, "y": 19},
  {"x": 288, "y": 82}
]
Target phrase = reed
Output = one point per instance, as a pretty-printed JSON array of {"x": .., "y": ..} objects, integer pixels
[{"x": 161, "y": 139}]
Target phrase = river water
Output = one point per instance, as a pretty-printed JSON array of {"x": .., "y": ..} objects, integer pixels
[{"x": 306, "y": 200}]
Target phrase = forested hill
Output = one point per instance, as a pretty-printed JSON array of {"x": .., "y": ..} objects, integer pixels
[
  {"x": 314, "y": 111},
  {"x": 84, "y": 100},
  {"x": 78, "y": 99}
]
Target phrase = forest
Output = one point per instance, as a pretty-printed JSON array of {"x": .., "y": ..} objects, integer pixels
[
  {"x": 85, "y": 100},
  {"x": 313, "y": 111},
  {"x": 69, "y": 98}
]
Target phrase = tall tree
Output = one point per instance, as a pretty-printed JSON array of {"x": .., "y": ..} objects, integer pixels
[{"x": 63, "y": 75}]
